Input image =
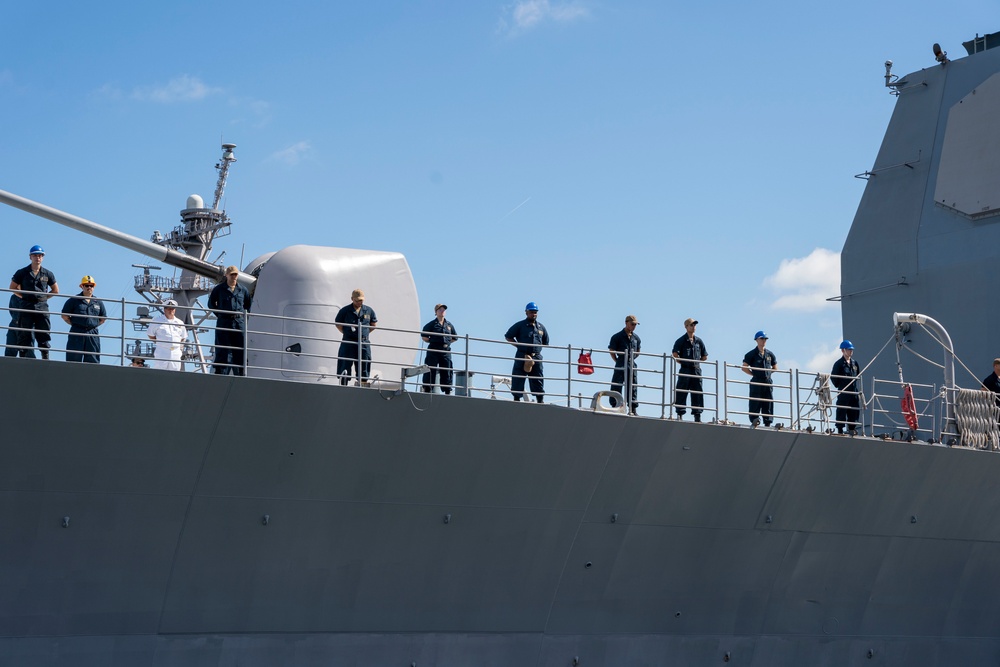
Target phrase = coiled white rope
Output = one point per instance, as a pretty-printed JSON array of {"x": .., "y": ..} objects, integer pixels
[{"x": 976, "y": 415}]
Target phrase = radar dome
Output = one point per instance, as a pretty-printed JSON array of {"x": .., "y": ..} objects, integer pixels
[{"x": 195, "y": 201}]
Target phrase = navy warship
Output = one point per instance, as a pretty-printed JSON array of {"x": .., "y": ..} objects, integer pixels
[{"x": 277, "y": 526}]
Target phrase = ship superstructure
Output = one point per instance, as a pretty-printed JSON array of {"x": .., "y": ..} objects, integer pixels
[{"x": 926, "y": 233}]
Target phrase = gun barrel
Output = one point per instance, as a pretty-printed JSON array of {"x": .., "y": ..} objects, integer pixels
[{"x": 157, "y": 252}]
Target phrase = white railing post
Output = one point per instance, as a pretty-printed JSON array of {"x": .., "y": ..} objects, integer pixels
[
  {"x": 122, "y": 346},
  {"x": 246, "y": 337},
  {"x": 795, "y": 400},
  {"x": 725, "y": 392},
  {"x": 569, "y": 373},
  {"x": 663, "y": 397},
  {"x": 468, "y": 379}
]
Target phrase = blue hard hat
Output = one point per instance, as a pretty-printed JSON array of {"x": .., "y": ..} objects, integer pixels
[
  {"x": 531, "y": 306},
  {"x": 760, "y": 334},
  {"x": 847, "y": 345},
  {"x": 36, "y": 250}
]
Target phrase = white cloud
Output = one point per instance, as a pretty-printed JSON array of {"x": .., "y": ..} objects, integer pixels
[
  {"x": 528, "y": 14},
  {"x": 822, "y": 361},
  {"x": 255, "y": 113},
  {"x": 804, "y": 284},
  {"x": 292, "y": 155},
  {"x": 183, "y": 88},
  {"x": 186, "y": 88},
  {"x": 110, "y": 91}
]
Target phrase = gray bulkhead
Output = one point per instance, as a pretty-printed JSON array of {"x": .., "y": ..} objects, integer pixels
[{"x": 931, "y": 213}]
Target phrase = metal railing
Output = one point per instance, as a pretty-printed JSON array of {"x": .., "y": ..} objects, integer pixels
[
  {"x": 483, "y": 368},
  {"x": 887, "y": 415}
]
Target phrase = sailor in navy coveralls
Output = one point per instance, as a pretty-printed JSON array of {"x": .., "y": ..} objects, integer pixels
[
  {"x": 758, "y": 363},
  {"x": 84, "y": 313},
  {"x": 440, "y": 335},
  {"x": 34, "y": 285},
  {"x": 355, "y": 321},
  {"x": 686, "y": 348},
  {"x": 528, "y": 336},
  {"x": 230, "y": 300},
  {"x": 844, "y": 377},
  {"x": 15, "y": 304},
  {"x": 624, "y": 347},
  {"x": 992, "y": 383}
]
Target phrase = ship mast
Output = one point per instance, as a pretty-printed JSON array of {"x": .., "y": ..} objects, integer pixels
[
  {"x": 200, "y": 226},
  {"x": 223, "y": 167}
]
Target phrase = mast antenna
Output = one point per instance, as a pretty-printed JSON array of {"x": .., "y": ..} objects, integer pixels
[{"x": 223, "y": 168}]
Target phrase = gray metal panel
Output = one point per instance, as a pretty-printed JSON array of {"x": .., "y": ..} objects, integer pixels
[
  {"x": 916, "y": 588},
  {"x": 104, "y": 574},
  {"x": 974, "y": 612},
  {"x": 882, "y": 243},
  {"x": 869, "y": 586},
  {"x": 870, "y": 487},
  {"x": 642, "y": 577},
  {"x": 298, "y": 650},
  {"x": 970, "y": 153},
  {"x": 902, "y": 651},
  {"x": 824, "y": 584},
  {"x": 339, "y": 567},
  {"x": 689, "y": 475},
  {"x": 336, "y": 443},
  {"x": 647, "y": 650},
  {"x": 488, "y": 650},
  {"x": 104, "y": 445}
]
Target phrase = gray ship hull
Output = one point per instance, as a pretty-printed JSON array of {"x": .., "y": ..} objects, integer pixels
[{"x": 290, "y": 524}]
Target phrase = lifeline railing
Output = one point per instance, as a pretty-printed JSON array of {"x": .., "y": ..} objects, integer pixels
[{"x": 482, "y": 368}]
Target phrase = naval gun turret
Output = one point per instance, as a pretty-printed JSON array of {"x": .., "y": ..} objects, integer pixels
[{"x": 296, "y": 291}]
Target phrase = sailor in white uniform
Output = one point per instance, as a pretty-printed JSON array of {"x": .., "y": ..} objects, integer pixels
[{"x": 169, "y": 334}]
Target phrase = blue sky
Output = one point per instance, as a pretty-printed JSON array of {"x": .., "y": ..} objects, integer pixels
[{"x": 600, "y": 158}]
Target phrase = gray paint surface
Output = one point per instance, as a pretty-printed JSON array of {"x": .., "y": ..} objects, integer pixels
[
  {"x": 948, "y": 256},
  {"x": 774, "y": 547}
]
